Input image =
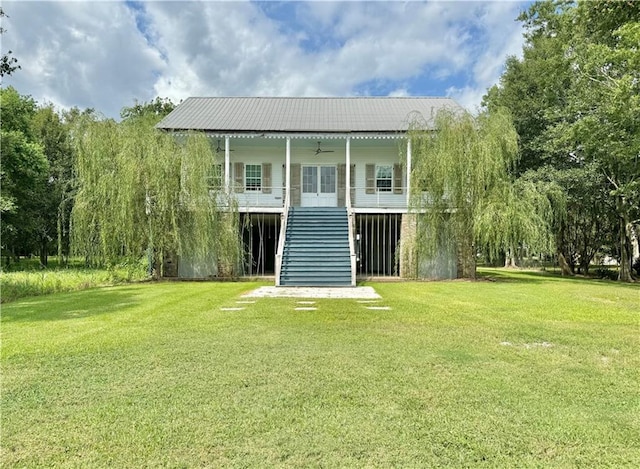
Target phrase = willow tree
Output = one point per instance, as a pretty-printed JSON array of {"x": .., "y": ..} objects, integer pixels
[
  {"x": 463, "y": 189},
  {"x": 143, "y": 192}
]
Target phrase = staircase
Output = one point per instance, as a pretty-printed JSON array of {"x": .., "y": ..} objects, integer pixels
[{"x": 316, "y": 249}]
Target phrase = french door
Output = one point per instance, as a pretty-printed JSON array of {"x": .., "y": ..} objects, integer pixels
[{"x": 319, "y": 186}]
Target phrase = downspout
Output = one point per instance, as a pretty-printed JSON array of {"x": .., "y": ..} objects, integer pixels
[
  {"x": 285, "y": 212},
  {"x": 350, "y": 214}
]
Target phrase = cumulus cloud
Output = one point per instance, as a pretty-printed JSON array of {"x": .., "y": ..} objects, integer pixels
[
  {"x": 77, "y": 53},
  {"x": 106, "y": 54}
]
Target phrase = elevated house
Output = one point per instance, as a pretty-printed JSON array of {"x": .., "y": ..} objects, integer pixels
[{"x": 322, "y": 184}]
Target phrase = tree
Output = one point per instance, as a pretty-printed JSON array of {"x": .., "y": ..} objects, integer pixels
[
  {"x": 607, "y": 108},
  {"x": 141, "y": 191},
  {"x": 23, "y": 175},
  {"x": 52, "y": 133},
  {"x": 574, "y": 95},
  {"x": 158, "y": 108},
  {"x": 462, "y": 185},
  {"x": 8, "y": 64}
]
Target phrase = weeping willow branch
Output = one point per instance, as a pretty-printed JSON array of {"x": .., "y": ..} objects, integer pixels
[
  {"x": 463, "y": 188},
  {"x": 143, "y": 191}
]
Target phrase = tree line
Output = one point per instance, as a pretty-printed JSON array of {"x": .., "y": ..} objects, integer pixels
[{"x": 574, "y": 97}]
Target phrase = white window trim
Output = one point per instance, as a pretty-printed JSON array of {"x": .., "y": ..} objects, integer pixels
[
  {"x": 216, "y": 181},
  {"x": 246, "y": 187},
  {"x": 390, "y": 178}
]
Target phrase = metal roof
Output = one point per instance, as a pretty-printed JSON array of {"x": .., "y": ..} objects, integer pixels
[{"x": 339, "y": 115}]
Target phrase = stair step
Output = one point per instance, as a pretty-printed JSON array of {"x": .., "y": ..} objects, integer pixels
[
  {"x": 312, "y": 268},
  {"x": 316, "y": 250},
  {"x": 314, "y": 244},
  {"x": 315, "y": 283}
]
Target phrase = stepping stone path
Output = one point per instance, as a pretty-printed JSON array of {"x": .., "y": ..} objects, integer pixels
[
  {"x": 366, "y": 296},
  {"x": 306, "y": 308}
]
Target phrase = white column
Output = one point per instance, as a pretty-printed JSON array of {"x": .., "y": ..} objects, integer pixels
[
  {"x": 287, "y": 170},
  {"x": 408, "y": 170},
  {"x": 227, "y": 165},
  {"x": 347, "y": 183}
]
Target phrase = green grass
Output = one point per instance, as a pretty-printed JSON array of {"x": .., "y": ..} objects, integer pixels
[
  {"x": 524, "y": 371},
  {"x": 34, "y": 281}
]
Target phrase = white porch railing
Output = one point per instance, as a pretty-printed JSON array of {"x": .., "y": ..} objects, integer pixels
[
  {"x": 375, "y": 198},
  {"x": 253, "y": 199}
]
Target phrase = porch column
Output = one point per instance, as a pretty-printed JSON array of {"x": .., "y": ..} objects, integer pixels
[
  {"x": 287, "y": 169},
  {"x": 227, "y": 166},
  {"x": 347, "y": 190},
  {"x": 408, "y": 171}
]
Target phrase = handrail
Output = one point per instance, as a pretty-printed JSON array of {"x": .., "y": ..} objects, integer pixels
[
  {"x": 282, "y": 238},
  {"x": 352, "y": 248}
]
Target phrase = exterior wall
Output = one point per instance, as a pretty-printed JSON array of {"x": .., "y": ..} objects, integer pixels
[
  {"x": 197, "y": 268},
  {"x": 377, "y": 152},
  {"x": 247, "y": 152}
]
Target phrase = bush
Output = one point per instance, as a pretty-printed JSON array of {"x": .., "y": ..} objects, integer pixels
[
  {"x": 605, "y": 273},
  {"x": 636, "y": 266}
]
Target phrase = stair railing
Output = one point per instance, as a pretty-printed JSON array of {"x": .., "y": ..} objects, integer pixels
[
  {"x": 282, "y": 238},
  {"x": 352, "y": 249}
]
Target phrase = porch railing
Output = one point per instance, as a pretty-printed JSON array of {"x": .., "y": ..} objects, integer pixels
[
  {"x": 376, "y": 198},
  {"x": 273, "y": 198}
]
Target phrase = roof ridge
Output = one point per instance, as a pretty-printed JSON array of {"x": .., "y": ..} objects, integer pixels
[{"x": 319, "y": 97}]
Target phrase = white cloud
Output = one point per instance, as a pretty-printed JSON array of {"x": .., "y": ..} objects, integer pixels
[{"x": 94, "y": 54}]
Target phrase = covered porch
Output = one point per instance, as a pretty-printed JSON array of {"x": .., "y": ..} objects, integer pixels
[{"x": 270, "y": 173}]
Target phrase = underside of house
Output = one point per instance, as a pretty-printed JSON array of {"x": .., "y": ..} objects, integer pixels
[{"x": 322, "y": 185}]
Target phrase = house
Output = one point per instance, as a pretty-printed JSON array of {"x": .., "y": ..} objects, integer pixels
[{"x": 322, "y": 184}]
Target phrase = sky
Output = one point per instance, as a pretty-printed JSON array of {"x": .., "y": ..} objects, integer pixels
[{"x": 109, "y": 54}]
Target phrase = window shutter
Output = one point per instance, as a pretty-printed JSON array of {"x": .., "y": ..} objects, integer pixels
[
  {"x": 238, "y": 172},
  {"x": 353, "y": 184},
  {"x": 342, "y": 185},
  {"x": 397, "y": 179},
  {"x": 370, "y": 172},
  {"x": 296, "y": 195},
  {"x": 266, "y": 178}
]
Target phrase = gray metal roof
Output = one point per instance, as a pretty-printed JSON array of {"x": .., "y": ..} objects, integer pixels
[{"x": 359, "y": 114}]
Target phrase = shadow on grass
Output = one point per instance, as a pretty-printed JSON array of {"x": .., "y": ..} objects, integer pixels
[
  {"x": 537, "y": 277},
  {"x": 72, "y": 305}
]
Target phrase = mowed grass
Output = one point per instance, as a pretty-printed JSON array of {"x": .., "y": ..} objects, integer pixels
[{"x": 524, "y": 371}]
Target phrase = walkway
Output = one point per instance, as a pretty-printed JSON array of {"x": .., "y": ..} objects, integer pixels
[{"x": 363, "y": 293}]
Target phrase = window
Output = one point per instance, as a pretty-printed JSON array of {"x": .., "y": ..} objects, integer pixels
[
  {"x": 384, "y": 178},
  {"x": 253, "y": 177},
  {"x": 214, "y": 179}
]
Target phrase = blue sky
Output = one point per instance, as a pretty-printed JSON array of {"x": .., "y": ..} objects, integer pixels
[{"x": 107, "y": 54}]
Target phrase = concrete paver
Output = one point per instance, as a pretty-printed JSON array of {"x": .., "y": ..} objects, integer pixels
[{"x": 314, "y": 292}]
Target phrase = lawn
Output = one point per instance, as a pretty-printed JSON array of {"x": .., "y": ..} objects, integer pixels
[{"x": 527, "y": 370}]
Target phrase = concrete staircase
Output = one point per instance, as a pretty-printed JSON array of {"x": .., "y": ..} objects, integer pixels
[{"x": 316, "y": 249}]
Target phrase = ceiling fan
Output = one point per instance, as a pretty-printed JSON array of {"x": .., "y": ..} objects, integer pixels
[
  {"x": 319, "y": 150},
  {"x": 219, "y": 149}
]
